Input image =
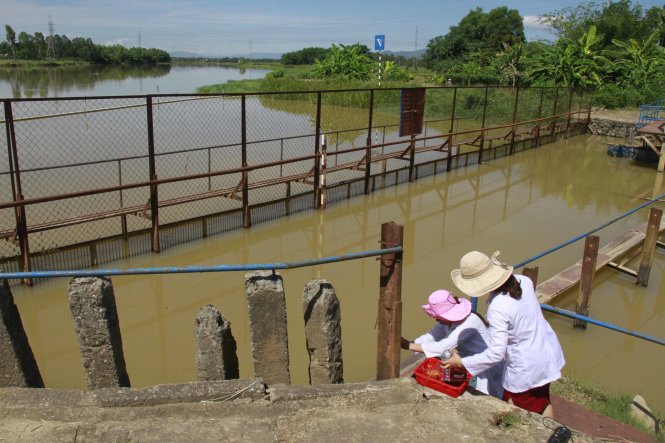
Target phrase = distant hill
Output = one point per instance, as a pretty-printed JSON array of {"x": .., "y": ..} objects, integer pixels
[{"x": 254, "y": 55}]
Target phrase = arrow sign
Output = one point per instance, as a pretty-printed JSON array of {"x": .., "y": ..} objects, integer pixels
[{"x": 379, "y": 42}]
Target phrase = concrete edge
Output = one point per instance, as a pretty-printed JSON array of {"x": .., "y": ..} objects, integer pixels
[
  {"x": 252, "y": 389},
  {"x": 285, "y": 393},
  {"x": 247, "y": 389}
]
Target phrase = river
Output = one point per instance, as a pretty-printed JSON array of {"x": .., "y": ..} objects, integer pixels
[
  {"x": 79, "y": 81},
  {"x": 520, "y": 205}
]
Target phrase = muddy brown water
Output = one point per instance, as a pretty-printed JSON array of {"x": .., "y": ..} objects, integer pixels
[{"x": 520, "y": 205}]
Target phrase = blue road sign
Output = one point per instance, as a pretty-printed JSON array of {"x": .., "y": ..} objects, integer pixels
[{"x": 379, "y": 42}]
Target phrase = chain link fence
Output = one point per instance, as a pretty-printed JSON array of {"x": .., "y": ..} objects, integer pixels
[{"x": 109, "y": 177}]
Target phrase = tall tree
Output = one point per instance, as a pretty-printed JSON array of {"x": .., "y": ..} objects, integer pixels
[
  {"x": 576, "y": 63},
  {"x": 615, "y": 20},
  {"x": 478, "y": 32},
  {"x": 11, "y": 39}
]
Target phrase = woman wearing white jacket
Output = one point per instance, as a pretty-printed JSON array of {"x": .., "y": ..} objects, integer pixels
[{"x": 518, "y": 332}]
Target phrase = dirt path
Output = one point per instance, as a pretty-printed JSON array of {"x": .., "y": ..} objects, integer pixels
[{"x": 628, "y": 115}]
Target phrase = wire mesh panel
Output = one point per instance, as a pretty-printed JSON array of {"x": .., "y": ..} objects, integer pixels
[
  {"x": 65, "y": 146},
  {"x": 195, "y": 135},
  {"x": 280, "y": 127},
  {"x": 345, "y": 117}
]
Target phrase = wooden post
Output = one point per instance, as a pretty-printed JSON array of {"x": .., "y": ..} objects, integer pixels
[
  {"x": 649, "y": 247},
  {"x": 368, "y": 151},
  {"x": 154, "y": 196},
  {"x": 389, "y": 313},
  {"x": 586, "y": 279},
  {"x": 532, "y": 273}
]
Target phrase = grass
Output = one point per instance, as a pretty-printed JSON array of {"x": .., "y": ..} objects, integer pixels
[
  {"x": 506, "y": 420},
  {"x": 5, "y": 62},
  {"x": 595, "y": 399}
]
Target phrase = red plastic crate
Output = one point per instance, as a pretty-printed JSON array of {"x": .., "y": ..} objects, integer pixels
[{"x": 424, "y": 378}]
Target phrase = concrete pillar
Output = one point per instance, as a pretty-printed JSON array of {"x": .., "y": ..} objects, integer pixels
[
  {"x": 323, "y": 332},
  {"x": 216, "y": 357},
  {"x": 18, "y": 367},
  {"x": 267, "y": 326},
  {"x": 92, "y": 303}
]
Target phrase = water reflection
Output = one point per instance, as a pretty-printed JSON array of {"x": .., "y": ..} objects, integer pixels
[{"x": 67, "y": 81}]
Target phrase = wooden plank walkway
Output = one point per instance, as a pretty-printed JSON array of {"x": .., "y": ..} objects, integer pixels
[{"x": 610, "y": 253}]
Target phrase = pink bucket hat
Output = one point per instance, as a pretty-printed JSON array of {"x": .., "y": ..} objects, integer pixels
[{"x": 443, "y": 305}]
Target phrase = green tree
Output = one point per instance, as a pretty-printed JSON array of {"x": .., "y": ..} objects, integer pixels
[
  {"x": 305, "y": 56},
  {"x": 575, "y": 63},
  {"x": 344, "y": 62},
  {"x": 615, "y": 20},
  {"x": 27, "y": 48},
  {"x": 510, "y": 62},
  {"x": 477, "y": 32},
  {"x": 638, "y": 63},
  {"x": 11, "y": 39}
]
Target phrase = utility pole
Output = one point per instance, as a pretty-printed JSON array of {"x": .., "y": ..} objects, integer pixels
[
  {"x": 415, "y": 51},
  {"x": 50, "y": 45}
]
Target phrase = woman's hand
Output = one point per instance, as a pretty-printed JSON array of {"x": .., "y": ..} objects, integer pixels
[
  {"x": 404, "y": 344},
  {"x": 453, "y": 361}
]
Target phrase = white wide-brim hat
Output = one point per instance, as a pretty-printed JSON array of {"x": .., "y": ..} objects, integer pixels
[{"x": 479, "y": 274}]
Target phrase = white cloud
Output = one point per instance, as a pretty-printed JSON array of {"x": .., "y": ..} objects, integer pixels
[{"x": 534, "y": 22}]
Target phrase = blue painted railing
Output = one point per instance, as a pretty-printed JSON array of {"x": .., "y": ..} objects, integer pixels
[
  {"x": 474, "y": 300},
  {"x": 197, "y": 269}
]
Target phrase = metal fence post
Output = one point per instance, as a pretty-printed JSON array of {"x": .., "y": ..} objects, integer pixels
[
  {"x": 588, "y": 115},
  {"x": 515, "y": 112},
  {"x": 449, "y": 163},
  {"x": 317, "y": 152},
  {"x": 17, "y": 193},
  {"x": 246, "y": 214},
  {"x": 482, "y": 128},
  {"x": 389, "y": 314},
  {"x": 554, "y": 119},
  {"x": 154, "y": 197},
  {"x": 368, "y": 151},
  {"x": 412, "y": 156},
  {"x": 570, "y": 110},
  {"x": 540, "y": 114}
]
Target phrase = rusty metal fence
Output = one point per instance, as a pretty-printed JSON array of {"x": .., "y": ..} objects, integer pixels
[{"x": 90, "y": 180}]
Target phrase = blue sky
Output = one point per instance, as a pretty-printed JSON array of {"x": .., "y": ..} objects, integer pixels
[{"x": 227, "y": 28}]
